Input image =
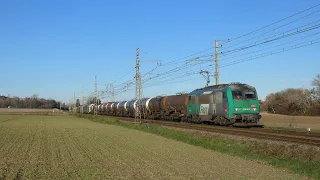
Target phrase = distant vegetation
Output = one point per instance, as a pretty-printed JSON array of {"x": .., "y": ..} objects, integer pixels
[
  {"x": 29, "y": 102},
  {"x": 92, "y": 100},
  {"x": 295, "y": 101}
]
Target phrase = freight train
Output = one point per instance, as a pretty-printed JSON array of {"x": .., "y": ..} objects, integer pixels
[{"x": 223, "y": 104}]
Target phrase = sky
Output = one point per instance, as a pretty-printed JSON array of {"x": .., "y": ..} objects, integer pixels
[{"x": 55, "y": 48}]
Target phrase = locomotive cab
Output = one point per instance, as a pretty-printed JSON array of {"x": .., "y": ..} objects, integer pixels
[
  {"x": 244, "y": 105},
  {"x": 224, "y": 104}
]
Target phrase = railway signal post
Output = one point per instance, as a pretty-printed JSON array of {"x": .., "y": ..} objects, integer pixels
[{"x": 138, "y": 87}]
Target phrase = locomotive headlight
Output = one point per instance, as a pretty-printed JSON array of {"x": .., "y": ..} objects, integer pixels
[
  {"x": 254, "y": 109},
  {"x": 237, "y": 109}
]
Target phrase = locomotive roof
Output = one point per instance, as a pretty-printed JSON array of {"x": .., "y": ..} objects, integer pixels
[{"x": 232, "y": 86}]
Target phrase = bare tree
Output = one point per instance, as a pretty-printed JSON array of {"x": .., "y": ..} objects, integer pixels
[
  {"x": 92, "y": 100},
  {"x": 295, "y": 101},
  {"x": 28, "y": 102},
  {"x": 316, "y": 81}
]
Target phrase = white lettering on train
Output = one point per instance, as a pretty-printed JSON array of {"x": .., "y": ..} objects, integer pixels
[{"x": 204, "y": 109}]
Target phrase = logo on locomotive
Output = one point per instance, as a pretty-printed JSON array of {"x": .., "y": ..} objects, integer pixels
[{"x": 204, "y": 109}]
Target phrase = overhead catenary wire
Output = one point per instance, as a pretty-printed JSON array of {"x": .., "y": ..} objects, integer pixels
[
  {"x": 163, "y": 75},
  {"x": 175, "y": 62},
  {"x": 253, "y": 52},
  {"x": 263, "y": 54},
  {"x": 170, "y": 71},
  {"x": 174, "y": 75},
  {"x": 166, "y": 81},
  {"x": 283, "y": 36},
  {"x": 226, "y": 49},
  {"x": 296, "y": 46},
  {"x": 174, "y": 71},
  {"x": 186, "y": 74},
  {"x": 273, "y": 30},
  {"x": 239, "y": 61},
  {"x": 235, "y": 56},
  {"x": 258, "y": 43},
  {"x": 131, "y": 71},
  {"x": 171, "y": 82},
  {"x": 288, "y": 17}
]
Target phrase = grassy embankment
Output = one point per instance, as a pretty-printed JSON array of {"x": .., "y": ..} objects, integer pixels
[{"x": 305, "y": 162}]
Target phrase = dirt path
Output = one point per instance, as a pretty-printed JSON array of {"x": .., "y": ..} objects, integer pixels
[{"x": 62, "y": 147}]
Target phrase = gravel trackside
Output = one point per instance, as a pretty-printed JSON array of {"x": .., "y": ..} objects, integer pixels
[{"x": 66, "y": 147}]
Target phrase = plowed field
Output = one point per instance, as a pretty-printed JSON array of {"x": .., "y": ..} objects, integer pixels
[
  {"x": 300, "y": 122},
  {"x": 64, "y": 147}
]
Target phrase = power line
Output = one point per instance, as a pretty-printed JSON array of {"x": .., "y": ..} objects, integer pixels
[
  {"x": 275, "y": 39},
  {"x": 273, "y": 23},
  {"x": 274, "y": 34},
  {"x": 174, "y": 82},
  {"x": 167, "y": 74},
  {"x": 308, "y": 43},
  {"x": 223, "y": 59},
  {"x": 183, "y": 58},
  {"x": 173, "y": 79},
  {"x": 164, "y": 81},
  {"x": 131, "y": 71},
  {"x": 283, "y": 36},
  {"x": 161, "y": 75},
  {"x": 170, "y": 62},
  {"x": 179, "y": 68},
  {"x": 173, "y": 62}
]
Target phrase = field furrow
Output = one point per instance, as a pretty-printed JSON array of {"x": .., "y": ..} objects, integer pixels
[{"x": 64, "y": 147}]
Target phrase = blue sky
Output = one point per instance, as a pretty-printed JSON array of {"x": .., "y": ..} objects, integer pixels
[{"x": 55, "y": 48}]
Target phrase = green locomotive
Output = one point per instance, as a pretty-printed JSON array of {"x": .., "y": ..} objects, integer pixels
[{"x": 224, "y": 104}]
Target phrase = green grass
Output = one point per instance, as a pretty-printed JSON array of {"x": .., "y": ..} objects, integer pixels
[{"x": 298, "y": 162}]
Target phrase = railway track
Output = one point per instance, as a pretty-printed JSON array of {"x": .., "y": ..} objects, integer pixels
[{"x": 267, "y": 134}]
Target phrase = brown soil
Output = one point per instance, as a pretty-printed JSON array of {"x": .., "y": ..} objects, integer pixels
[{"x": 301, "y": 122}]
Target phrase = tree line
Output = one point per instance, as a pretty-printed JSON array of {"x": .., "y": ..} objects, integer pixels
[
  {"x": 91, "y": 99},
  {"x": 30, "y": 102},
  {"x": 295, "y": 101}
]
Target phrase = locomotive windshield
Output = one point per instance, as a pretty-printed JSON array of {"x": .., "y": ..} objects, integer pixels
[
  {"x": 243, "y": 91},
  {"x": 244, "y": 94}
]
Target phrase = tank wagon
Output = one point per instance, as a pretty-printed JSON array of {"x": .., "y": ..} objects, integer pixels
[{"x": 223, "y": 104}]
